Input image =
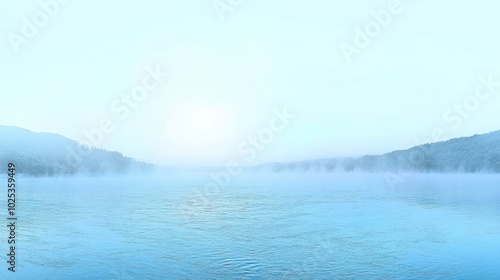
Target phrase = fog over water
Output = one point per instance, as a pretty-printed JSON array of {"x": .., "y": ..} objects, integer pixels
[{"x": 226, "y": 139}]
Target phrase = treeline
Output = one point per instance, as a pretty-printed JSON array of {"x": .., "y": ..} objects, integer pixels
[
  {"x": 479, "y": 153},
  {"x": 45, "y": 154}
]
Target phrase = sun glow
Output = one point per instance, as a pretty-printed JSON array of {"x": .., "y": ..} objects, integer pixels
[
  {"x": 198, "y": 127},
  {"x": 203, "y": 122}
]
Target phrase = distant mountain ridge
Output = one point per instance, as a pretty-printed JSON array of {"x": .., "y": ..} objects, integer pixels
[
  {"x": 48, "y": 154},
  {"x": 478, "y": 153}
]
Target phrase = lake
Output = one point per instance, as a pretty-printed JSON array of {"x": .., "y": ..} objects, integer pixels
[{"x": 260, "y": 226}]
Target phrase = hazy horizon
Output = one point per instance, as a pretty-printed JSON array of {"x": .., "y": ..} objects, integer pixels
[
  {"x": 179, "y": 167},
  {"x": 238, "y": 139}
]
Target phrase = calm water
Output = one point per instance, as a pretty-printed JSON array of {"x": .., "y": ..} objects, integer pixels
[{"x": 287, "y": 226}]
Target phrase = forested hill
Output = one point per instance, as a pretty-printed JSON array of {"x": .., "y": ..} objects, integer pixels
[
  {"x": 478, "y": 153},
  {"x": 47, "y": 154}
]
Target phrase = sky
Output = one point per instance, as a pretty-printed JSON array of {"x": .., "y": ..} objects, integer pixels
[{"x": 197, "y": 82}]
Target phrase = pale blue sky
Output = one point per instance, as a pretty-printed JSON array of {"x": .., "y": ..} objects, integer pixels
[{"x": 227, "y": 76}]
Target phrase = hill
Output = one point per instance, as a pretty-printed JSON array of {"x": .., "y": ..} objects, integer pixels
[
  {"x": 48, "y": 154},
  {"x": 478, "y": 153}
]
